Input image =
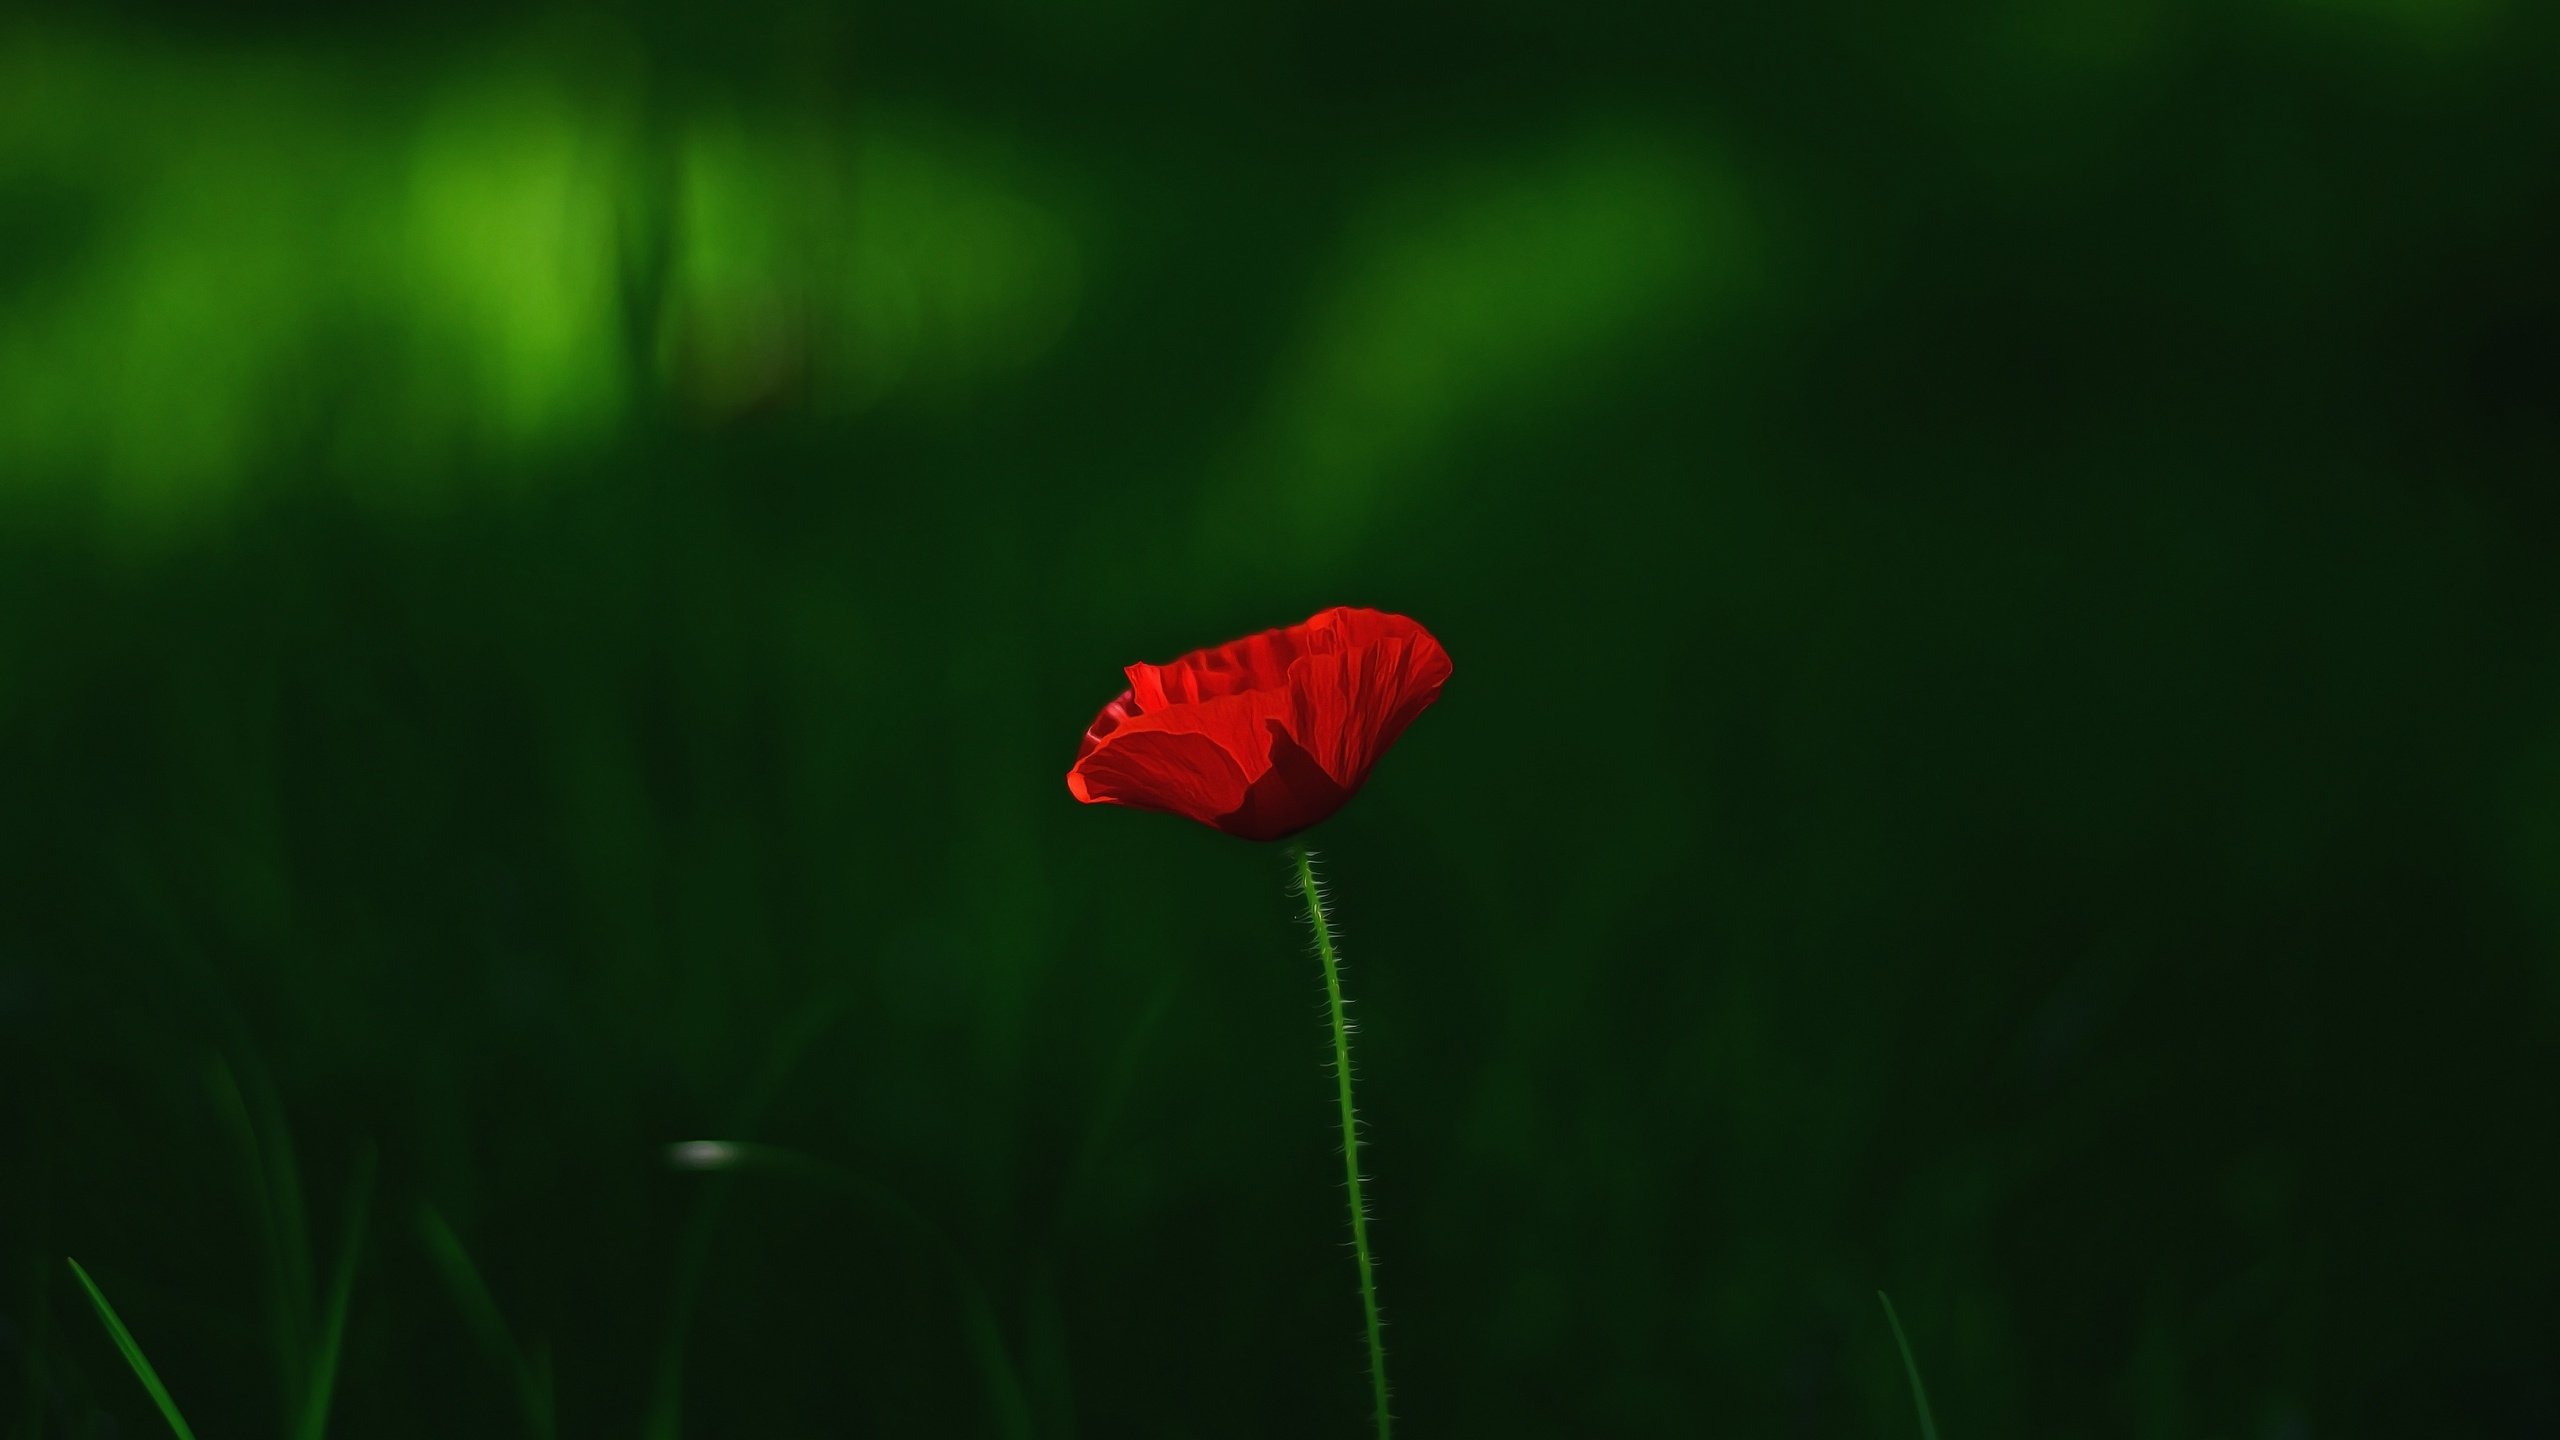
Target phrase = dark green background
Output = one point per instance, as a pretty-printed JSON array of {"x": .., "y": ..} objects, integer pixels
[{"x": 2005, "y": 742}]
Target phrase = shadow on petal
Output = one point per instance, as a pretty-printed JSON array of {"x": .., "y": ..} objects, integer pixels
[{"x": 1292, "y": 795}]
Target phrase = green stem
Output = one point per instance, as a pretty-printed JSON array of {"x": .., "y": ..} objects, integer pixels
[{"x": 1350, "y": 1130}]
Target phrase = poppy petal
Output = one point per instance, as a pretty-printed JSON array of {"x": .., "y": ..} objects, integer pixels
[
  {"x": 1256, "y": 662},
  {"x": 1191, "y": 760},
  {"x": 1112, "y": 717},
  {"x": 1189, "y": 775},
  {"x": 1347, "y": 627},
  {"x": 1347, "y": 708},
  {"x": 1291, "y": 795}
]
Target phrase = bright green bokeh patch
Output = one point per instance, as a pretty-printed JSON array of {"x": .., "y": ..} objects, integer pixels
[
  {"x": 408, "y": 278},
  {"x": 1512, "y": 289}
]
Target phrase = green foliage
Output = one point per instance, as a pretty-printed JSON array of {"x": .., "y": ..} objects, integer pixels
[
  {"x": 330, "y": 1337},
  {"x": 131, "y": 1350},
  {"x": 480, "y": 1314},
  {"x": 1910, "y": 1369}
]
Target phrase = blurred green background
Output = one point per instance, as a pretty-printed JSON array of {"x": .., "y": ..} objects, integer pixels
[{"x": 2005, "y": 744}]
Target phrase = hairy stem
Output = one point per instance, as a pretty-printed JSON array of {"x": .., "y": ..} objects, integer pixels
[{"x": 1350, "y": 1129}]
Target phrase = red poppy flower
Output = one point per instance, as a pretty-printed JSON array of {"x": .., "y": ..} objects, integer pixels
[{"x": 1264, "y": 736}]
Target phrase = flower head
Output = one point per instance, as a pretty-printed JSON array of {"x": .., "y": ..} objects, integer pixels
[{"x": 1264, "y": 736}]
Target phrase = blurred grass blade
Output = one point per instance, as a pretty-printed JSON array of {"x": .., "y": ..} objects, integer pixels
[
  {"x": 996, "y": 1370},
  {"x": 665, "y": 1419},
  {"x": 1117, "y": 1086},
  {"x": 541, "y": 1410},
  {"x": 1044, "y": 1363},
  {"x": 275, "y": 1191},
  {"x": 479, "y": 1308},
  {"x": 1911, "y": 1368},
  {"x": 133, "y": 1355},
  {"x": 666, "y": 1398},
  {"x": 724, "y": 1159},
  {"x": 333, "y": 1321}
]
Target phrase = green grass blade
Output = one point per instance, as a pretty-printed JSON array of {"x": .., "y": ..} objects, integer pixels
[
  {"x": 479, "y": 1306},
  {"x": 1910, "y": 1367},
  {"x": 1118, "y": 1084},
  {"x": 996, "y": 1370},
  {"x": 331, "y": 1339},
  {"x": 1002, "y": 1378},
  {"x": 275, "y": 1192},
  {"x": 665, "y": 1416},
  {"x": 666, "y": 1399},
  {"x": 1045, "y": 1372},
  {"x": 542, "y": 1411},
  {"x": 132, "y": 1353}
]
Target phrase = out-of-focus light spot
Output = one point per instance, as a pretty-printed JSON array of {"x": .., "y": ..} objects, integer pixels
[
  {"x": 841, "y": 272},
  {"x": 743, "y": 223},
  {"x": 704, "y": 1155},
  {"x": 951, "y": 275},
  {"x": 278, "y": 268},
  {"x": 510, "y": 260},
  {"x": 1501, "y": 295}
]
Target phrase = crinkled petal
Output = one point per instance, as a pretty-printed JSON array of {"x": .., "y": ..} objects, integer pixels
[
  {"x": 1196, "y": 761},
  {"x": 1347, "y": 627},
  {"x": 1256, "y": 662},
  {"x": 1263, "y": 736},
  {"x": 1348, "y": 707}
]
